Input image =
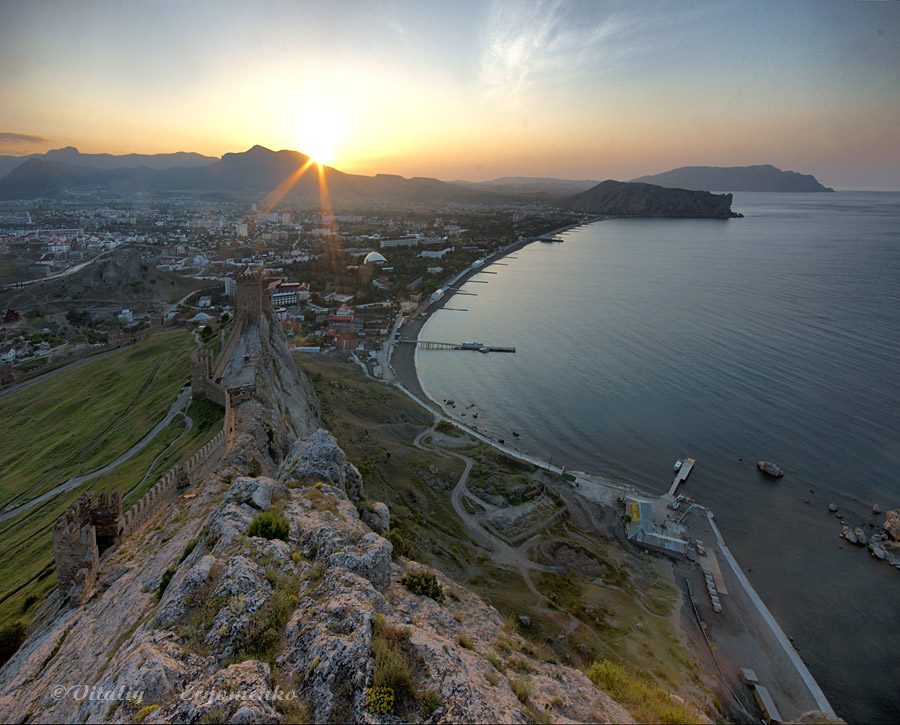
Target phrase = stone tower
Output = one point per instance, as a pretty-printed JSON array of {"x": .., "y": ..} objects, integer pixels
[
  {"x": 201, "y": 371},
  {"x": 249, "y": 297}
]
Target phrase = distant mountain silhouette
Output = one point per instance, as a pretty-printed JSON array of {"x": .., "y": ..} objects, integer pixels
[
  {"x": 735, "y": 178},
  {"x": 71, "y": 155},
  {"x": 629, "y": 199},
  {"x": 257, "y": 170},
  {"x": 529, "y": 185}
]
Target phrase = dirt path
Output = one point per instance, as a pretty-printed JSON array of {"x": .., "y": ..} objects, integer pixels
[{"x": 498, "y": 550}]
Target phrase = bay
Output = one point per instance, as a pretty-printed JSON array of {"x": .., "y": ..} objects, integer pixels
[{"x": 774, "y": 337}]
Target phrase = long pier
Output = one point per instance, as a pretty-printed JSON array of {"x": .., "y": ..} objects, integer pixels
[
  {"x": 431, "y": 345},
  {"x": 682, "y": 474}
]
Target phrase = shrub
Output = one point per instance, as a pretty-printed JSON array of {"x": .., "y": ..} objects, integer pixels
[
  {"x": 164, "y": 581},
  {"x": 142, "y": 714},
  {"x": 465, "y": 641},
  {"x": 646, "y": 701},
  {"x": 380, "y": 700},
  {"x": 429, "y": 701},
  {"x": 29, "y": 601},
  {"x": 11, "y": 638},
  {"x": 269, "y": 525},
  {"x": 402, "y": 545},
  {"x": 423, "y": 583},
  {"x": 521, "y": 688}
]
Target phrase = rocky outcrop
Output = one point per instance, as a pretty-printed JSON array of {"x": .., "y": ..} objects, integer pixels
[
  {"x": 319, "y": 458},
  {"x": 618, "y": 198},
  {"x": 770, "y": 469},
  {"x": 855, "y": 536},
  {"x": 254, "y": 630},
  {"x": 892, "y": 524}
]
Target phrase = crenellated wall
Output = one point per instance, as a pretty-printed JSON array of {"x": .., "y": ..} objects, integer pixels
[{"x": 75, "y": 533}]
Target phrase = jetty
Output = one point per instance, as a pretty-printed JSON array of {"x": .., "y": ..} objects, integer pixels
[
  {"x": 431, "y": 345},
  {"x": 682, "y": 475}
]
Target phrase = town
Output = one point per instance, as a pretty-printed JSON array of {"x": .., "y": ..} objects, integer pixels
[{"x": 87, "y": 272}]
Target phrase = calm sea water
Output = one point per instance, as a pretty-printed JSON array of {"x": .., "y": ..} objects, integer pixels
[{"x": 772, "y": 337}]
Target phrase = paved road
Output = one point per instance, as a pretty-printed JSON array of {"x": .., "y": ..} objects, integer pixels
[{"x": 60, "y": 275}]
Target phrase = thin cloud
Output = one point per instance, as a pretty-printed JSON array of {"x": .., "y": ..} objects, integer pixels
[
  {"x": 19, "y": 141},
  {"x": 527, "y": 44}
]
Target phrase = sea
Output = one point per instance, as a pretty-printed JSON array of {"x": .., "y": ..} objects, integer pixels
[{"x": 773, "y": 337}]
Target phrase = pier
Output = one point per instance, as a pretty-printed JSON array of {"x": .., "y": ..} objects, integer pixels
[
  {"x": 682, "y": 474},
  {"x": 431, "y": 345}
]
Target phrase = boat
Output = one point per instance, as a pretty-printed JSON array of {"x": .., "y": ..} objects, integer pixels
[
  {"x": 678, "y": 464},
  {"x": 471, "y": 346},
  {"x": 484, "y": 349}
]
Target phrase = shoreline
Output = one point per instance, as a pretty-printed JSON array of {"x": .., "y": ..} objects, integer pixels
[{"x": 401, "y": 362}]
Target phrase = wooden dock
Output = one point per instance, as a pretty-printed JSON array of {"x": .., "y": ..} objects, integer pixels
[
  {"x": 431, "y": 345},
  {"x": 682, "y": 475}
]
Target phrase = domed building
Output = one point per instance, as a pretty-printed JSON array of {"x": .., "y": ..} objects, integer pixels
[{"x": 374, "y": 258}]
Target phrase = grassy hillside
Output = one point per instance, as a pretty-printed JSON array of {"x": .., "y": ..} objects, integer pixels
[
  {"x": 79, "y": 420},
  {"x": 105, "y": 406}
]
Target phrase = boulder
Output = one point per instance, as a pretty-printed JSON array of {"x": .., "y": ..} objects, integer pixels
[
  {"x": 378, "y": 518},
  {"x": 832, "y": 507},
  {"x": 319, "y": 458},
  {"x": 876, "y": 509},
  {"x": 770, "y": 469},
  {"x": 861, "y": 536},
  {"x": 892, "y": 524},
  {"x": 849, "y": 535}
]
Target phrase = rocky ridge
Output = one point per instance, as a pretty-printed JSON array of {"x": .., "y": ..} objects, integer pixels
[{"x": 196, "y": 620}]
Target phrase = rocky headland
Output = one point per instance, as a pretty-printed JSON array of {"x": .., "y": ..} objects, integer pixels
[{"x": 627, "y": 199}]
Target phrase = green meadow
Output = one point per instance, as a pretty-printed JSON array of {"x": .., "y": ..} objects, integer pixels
[{"x": 75, "y": 423}]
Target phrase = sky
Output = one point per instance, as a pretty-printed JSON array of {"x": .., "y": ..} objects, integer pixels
[{"x": 465, "y": 90}]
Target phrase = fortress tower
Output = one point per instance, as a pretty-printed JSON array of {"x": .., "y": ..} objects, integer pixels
[
  {"x": 249, "y": 296},
  {"x": 201, "y": 371}
]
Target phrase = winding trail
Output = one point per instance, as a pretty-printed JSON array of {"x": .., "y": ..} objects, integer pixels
[
  {"x": 498, "y": 550},
  {"x": 180, "y": 402}
]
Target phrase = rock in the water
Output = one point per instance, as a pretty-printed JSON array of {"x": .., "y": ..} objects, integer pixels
[
  {"x": 770, "y": 469},
  {"x": 892, "y": 524},
  {"x": 832, "y": 507},
  {"x": 876, "y": 509},
  {"x": 849, "y": 535},
  {"x": 860, "y": 536}
]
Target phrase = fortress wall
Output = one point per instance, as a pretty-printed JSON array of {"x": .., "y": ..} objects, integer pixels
[
  {"x": 76, "y": 555},
  {"x": 237, "y": 327}
]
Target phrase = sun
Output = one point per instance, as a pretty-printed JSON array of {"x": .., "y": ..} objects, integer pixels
[{"x": 319, "y": 137}]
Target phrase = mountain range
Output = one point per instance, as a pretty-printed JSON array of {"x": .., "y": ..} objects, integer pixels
[{"x": 735, "y": 178}]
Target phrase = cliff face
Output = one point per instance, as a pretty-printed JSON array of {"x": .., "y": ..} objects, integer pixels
[
  {"x": 196, "y": 620},
  {"x": 618, "y": 198}
]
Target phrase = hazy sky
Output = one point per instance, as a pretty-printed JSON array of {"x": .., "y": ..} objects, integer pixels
[{"x": 470, "y": 90}]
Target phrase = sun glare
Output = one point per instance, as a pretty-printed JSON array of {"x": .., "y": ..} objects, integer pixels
[{"x": 319, "y": 138}]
